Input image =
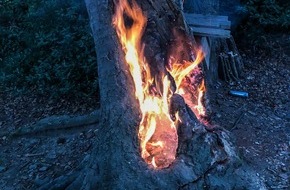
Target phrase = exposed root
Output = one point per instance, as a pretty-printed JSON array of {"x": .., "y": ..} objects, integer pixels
[
  {"x": 201, "y": 157},
  {"x": 56, "y": 123},
  {"x": 62, "y": 182},
  {"x": 70, "y": 181}
]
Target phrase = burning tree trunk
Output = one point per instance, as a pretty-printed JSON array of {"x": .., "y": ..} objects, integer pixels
[{"x": 175, "y": 149}]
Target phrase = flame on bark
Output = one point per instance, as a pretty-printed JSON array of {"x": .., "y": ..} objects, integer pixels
[
  {"x": 157, "y": 132},
  {"x": 199, "y": 107}
]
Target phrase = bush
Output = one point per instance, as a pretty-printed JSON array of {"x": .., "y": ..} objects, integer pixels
[
  {"x": 47, "y": 47},
  {"x": 269, "y": 14},
  {"x": 265, "y": 18}
]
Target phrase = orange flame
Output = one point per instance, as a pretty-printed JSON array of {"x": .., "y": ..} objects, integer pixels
[
  {"x": 180, "y": 71},
  {"x": 157, "y": 149},
  {"x": 199, "y": 107},
  {"x": 157, "y": 132},
  {"x": 193, "y": 97}
]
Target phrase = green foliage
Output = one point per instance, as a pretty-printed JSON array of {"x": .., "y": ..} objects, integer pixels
[
  {"x": 264, "y": 18},
  {"x": 46, "y": 46},
  {"x": 269, "y": 14}
]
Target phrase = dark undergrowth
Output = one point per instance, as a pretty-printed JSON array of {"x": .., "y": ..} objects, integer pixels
[
  {"x": 265, "y": 20},
  {"x": 47, "y": 48}
]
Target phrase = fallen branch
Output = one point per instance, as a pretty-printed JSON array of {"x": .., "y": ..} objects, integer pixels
[{"x": 271, "y": 170}]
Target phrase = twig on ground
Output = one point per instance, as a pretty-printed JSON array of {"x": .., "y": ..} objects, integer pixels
[
  {"x": 238, "y": 120},
  {"x": 280, "y": 187},
  {"x": 271, "y": 170},
  {"x": 36, "y": 154},
  {"x": 24, "y": 165}
]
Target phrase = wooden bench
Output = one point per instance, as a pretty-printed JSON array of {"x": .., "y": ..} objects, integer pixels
[{"x": 208, "y": 26}]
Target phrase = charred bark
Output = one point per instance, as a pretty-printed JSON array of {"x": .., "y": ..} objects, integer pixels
[{"x": 205, "y": 160}]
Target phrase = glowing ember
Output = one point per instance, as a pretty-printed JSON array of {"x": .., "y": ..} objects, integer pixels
[{"x": 157, "y": 132}]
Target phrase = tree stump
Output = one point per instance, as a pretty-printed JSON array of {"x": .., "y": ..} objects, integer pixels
[{"x": 205, "y": 159}]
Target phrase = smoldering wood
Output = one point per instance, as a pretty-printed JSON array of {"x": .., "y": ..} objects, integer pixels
[
  {"x": 164, "y": 20},
  {"x": 186, "y": 118},
  {"x": 205, "y": 160}
]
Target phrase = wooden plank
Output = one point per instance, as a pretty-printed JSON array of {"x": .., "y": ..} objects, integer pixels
[
  {"x": 212, "y": 21},
  {"x": 226, "y": 26},
  {"x": 206, "y": 50},
  {"x": 197, "y": 16},
  {"x": 211, "y": 32}
]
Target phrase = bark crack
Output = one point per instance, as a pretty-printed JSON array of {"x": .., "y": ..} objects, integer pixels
[{"x": 203, "y": 175}]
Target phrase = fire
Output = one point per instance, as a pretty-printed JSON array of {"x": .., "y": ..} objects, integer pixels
[
  {"x": 180, "y": 71},
  {"x": 199, "y": 107},
  {"x": 157, "y": 131}
]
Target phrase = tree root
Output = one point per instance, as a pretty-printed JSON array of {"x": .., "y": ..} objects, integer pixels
[
  {"x": 70, "y": 181},
  {"x": 53, "y": 123},
  {"x": 219, "y": 162}
]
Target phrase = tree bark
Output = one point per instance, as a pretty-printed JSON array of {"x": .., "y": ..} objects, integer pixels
[{"x": 205, "y": 160}]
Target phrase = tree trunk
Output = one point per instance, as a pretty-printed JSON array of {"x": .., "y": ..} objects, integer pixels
[{"x": 205, "y": 159}]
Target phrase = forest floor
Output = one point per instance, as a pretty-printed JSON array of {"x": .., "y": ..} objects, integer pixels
[{"x": 259, "y": 123}]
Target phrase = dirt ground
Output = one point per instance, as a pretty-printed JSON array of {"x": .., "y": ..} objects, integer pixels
[{"x": 259, "y": 123}]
